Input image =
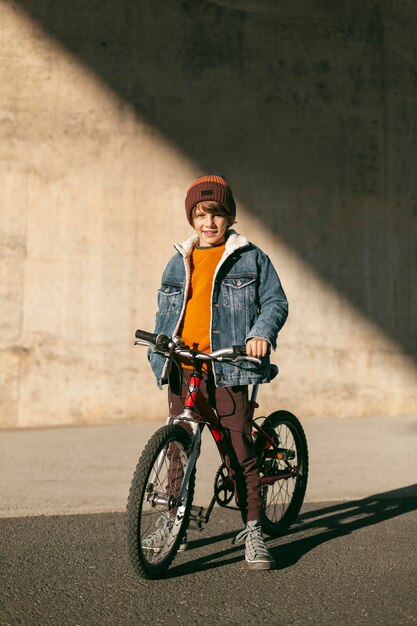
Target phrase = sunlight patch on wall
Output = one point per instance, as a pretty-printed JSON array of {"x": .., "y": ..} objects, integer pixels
[
  {"x": 87, "y": 190},
  {"x": 92, "y": 199}
]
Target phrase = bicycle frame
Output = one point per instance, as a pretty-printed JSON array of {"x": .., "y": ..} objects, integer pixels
[{"x": 205, "y": 415}]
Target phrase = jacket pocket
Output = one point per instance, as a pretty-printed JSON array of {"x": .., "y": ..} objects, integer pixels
[
  {"x": 168, "y": 297},
  {"x": 239, "y": 291}
]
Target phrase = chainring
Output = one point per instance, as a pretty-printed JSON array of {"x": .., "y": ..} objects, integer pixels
[{"x": 224, "y": 488}]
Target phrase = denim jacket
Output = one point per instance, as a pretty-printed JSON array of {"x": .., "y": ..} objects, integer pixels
[{"x": 247, "y": 301}]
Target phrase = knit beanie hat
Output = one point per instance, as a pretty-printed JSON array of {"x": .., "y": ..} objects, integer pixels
[{"x": 213, "y": 188}]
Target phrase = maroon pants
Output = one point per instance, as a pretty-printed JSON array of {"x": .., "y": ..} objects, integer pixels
[{"x": 232, "y": 406}]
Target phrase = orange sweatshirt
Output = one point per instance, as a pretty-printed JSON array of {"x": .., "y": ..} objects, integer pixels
[{"x": 195, "y": 326}]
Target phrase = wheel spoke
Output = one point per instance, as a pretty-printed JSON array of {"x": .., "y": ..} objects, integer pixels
[
  {"x": 168, "y": 476},
  {"x": 155, "y": 518},
  {"x": 282, "y": 497}
]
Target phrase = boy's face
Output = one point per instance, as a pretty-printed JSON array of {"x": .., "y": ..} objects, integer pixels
[{"x": 210, "y": 227}]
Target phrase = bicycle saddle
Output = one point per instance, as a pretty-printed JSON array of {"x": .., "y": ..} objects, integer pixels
[{"x": 273, "y": 371}]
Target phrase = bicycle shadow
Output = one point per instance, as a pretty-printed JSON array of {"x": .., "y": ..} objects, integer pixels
[
  {"x": 341, "y": 519},
  {"x": 321, "y": 525}
]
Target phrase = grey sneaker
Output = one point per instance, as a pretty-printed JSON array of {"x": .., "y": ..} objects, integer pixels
[
  {"x": 257, "y": 554},
  {"x": 184, "y": 544},
  {"x": 157, "y": 540}
]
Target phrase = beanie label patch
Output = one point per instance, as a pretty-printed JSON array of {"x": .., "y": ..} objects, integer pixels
[{"x": 214, "y": 188}]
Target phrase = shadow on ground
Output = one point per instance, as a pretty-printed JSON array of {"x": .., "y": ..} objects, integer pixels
[
  {"x": 317, "y": 526},
  {"x": 75, "y": 570}
]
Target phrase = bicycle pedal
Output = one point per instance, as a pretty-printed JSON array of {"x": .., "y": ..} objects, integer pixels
[
  {"x": 197, "y": 517},
  {"x": 281, "y": 455}
]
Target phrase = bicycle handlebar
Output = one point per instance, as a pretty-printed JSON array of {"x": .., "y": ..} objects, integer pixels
[
  {"x": 142, "y": 334},
  {"x": 166, "y": 345},
  {"x": 160, "y": 341}
]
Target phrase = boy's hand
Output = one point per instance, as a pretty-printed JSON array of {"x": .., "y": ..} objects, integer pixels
[{"x": 257, "y": 347}]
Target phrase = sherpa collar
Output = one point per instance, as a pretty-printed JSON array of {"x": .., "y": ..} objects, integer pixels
[{"x": 234, "y": 241}]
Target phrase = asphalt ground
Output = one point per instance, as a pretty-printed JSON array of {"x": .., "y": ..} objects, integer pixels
[
  {"x": 342, "y": 563},
  {"x": 349, "y": 559},
  {"x": 88, "y": 469}
]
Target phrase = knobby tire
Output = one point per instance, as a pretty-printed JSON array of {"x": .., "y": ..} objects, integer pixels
[
  {"x": 139, "y": 509},
  {"x": 282, "y": 500}
]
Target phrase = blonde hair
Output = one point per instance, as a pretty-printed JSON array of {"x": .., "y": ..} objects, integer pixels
[{"x": 210, "y": 206}]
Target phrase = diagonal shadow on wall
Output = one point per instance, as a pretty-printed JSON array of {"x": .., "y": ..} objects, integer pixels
[{"x": 310, "y": 112}]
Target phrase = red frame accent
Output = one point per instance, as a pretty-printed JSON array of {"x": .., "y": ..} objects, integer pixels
[
  {"x": 205, "y": 410},
  {"x": 193, "y": 387},
  {"x": 213, "y": 423}
]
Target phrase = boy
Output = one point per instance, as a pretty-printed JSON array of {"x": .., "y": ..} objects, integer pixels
[{"x": 221, "y": 290}]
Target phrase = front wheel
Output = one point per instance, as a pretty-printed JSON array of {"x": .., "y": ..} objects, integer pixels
[
  {"x": 283, "y": 469},
  {"x": 159, "y": 502}
]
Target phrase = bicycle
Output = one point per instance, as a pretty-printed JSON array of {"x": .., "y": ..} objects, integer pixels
[{"x": 163, "y": 483}]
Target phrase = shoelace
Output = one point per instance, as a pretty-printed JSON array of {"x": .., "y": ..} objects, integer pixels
[
  {"x": 252, "y": 531},
  {"x": 163, "y": 525}
]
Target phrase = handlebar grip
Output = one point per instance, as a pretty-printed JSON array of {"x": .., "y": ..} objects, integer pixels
[
  {"x": 160, "y": 342},
  {"x": 241, "y": 355},
  {"x": 145, "y": 336}
]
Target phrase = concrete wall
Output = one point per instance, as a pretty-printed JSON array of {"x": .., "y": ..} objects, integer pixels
[{"x": 109, "y": 109}]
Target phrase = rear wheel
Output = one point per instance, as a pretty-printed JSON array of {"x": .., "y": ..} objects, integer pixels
[
  {"x": 283, "y": 471},
  {"x": 158, "y": 506}
]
